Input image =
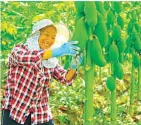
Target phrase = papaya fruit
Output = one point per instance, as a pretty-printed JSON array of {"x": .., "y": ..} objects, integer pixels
[
  {"x": 79, "y": 16},
  {"x": 102, "y": 33},
  {"x": 130, "y": 27},
  {"x": 116, "y": 33},
  {"x": 110, "y": 17},
  {"x": 100, "y": 18},
  {"x": 137, "y": 27},
  {"x": 113, "y": 53},
  {"x": 128, "y": 41},
  {"x": 118, "y": 70},
  {"x": 137, "y": 44},
  {"x": 80, "y": 34},
  {"x": 96, "y": 52},
  {"x": 111, "y": 83},
  {"x": 120, "y": 21},
  {"x": 117, "y": 7},
  {"x": 79, "y": 5},
  {"x": 100, "y": 8},
  {"x": 106, "y": 5},
  {"x": 90, "y": 13},
  {"x": 121, "y": 44},
  {"x": 136, "y": 60},
  {"x": 134, "y": 34},
  {"x": 108, "y": 44}
]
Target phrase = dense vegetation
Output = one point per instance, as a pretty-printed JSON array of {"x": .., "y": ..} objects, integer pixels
[{"x": 109, "y": 34}]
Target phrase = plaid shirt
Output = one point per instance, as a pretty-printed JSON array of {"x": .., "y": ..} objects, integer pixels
[{"x": 27, "y": 86}]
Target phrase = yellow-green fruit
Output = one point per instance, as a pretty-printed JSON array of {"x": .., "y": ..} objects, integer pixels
[
  {"x": 113, "y": 53},
  {"x": 96, "y": 53},
  {"x": 106, "y": 5},
  {"x": 90, "y": 13},
  {"x": 134, "y": 34},
  {"x": 110, "y": 17},
  {"x": 102, "y": 33},
  {"x": 79, "y": 5},
  {"x": 80, "y": 34},
  {"x": 79, "y": 16},
  {"x": 108, "y": 44},
  {"x": 137, "y": 44},
  {"x": 111, "y": 83},
  {"x": 120, "y": 21},
  {"x": 117, "y": 6},
  {"x": 130, "y": 27},
  {"x": 136, "y": 60},
  {"x": 118, "y": 70},
  {"x": 116, "y": 33},
  {"x": 100, "y": 8},
  {"x": 121, "y": 45},
  {"x": 128, "y": 41}
]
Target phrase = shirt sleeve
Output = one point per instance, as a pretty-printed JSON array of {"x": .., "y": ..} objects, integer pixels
[
  {"x": 20, "y": 56},
  {"x": 60, "y": 75}
]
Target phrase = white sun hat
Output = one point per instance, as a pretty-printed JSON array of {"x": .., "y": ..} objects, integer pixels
[{"x": 62, "y": 35}]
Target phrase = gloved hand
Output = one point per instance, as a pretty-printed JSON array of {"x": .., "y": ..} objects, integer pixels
[
  {"x": 66, "y": 49},
  {"x": 76, "y": 60}
]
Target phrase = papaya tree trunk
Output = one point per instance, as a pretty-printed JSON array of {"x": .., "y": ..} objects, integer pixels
[
  {"x": 89, "y": 111},
  {"x": 131, "y": 107},
  {"x": 139, "y": 83},
  {"x": 89, "y": 85},
  {"x": 113, "y": 107},
  {"x": 113, "y": 101}
]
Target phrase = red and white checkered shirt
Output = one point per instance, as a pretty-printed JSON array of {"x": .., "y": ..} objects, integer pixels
[{"x": 27, "y": 86}]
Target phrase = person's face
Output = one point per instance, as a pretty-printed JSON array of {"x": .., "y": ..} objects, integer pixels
[{"x": 47, "y": 37}]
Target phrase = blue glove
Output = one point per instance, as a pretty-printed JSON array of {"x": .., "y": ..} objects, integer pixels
[
  {"x": 66, "y": 49},
  {"x": 77, "y": 60}
]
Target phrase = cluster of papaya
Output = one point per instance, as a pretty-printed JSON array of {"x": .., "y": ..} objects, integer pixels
[
  {"x": 89, "y": 22},
  {"x": 133, "y": 40},
  {"x": 116, "y": 44}
]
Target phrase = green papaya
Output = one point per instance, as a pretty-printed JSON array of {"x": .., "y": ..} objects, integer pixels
[
  {"x": 134, "y": 16},
  {"x": 96, "y": 52},
  {"x": 102, "y": 33},
  {"x": 100, "y": 8},
  {"x": 120, "y": 21},
  {"x": 128, "y": 41},
  {"x": 116, "y": 33},
  {"x": 111, "y": 83},
  {"x": 110, "y": 17},
  {"x": 136, "y": 60},
  {"x": 137, "y": 27},
  {"x": 106, "y": 5},
  {"x": 134, "y": 34},
  {"x": 117, "y": 7},
  {"x": 108, "y": 44},
  {"x": 130, "y": 27},
  {"x": 90, "y": 13},
  {"x": 137, "y": 44},
  {"x": 79, "y": 5},
  {"x": 118, "y": 70},
  {"x": 79, "y": 16},
  {"x": 80, "y": 34},
  {"x": 99, "y": 18},
  {"x": 113, "y": 53},
  {"x": 121, "y": 44}
]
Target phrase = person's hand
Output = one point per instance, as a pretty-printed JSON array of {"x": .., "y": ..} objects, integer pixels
[
  {"x": 66, "y": 49},
  {"x": 76, "y": 61}
]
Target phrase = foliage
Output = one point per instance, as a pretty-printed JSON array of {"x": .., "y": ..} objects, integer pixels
[{"x": 67, "y": 103}]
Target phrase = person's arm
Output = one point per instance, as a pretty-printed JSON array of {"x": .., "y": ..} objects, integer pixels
[{"x": 66, "y": 77}]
